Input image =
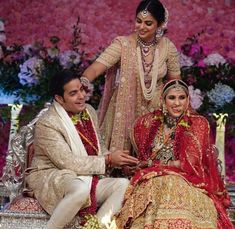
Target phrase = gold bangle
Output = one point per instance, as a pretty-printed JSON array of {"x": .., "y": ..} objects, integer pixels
[{"x": 150, "y": 162}]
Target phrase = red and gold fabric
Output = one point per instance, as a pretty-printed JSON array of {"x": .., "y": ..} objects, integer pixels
[
  {"x": 161, "y": 196},
  {"x": 87, "y": 133}
]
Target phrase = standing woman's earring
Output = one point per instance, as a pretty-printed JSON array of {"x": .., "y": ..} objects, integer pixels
[{"x": 159, "y": 32}]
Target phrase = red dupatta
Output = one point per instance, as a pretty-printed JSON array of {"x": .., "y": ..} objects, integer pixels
[
  {"x": 86, "y": 131},
  {"x": 193, "y": 148}
]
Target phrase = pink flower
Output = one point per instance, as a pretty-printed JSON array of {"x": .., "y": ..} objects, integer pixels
[
  {"x": 185, "y": 60},
  {"x": 201, "y": 64},
  {"x": 195, "y": 48}
]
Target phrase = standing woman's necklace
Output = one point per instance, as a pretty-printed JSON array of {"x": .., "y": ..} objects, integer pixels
[
  {"x": 143, "y": 50},
  {"x": 146, "y": 46}
]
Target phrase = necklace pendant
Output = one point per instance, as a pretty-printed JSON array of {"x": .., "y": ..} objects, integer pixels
[{"x": 145, "y": 51}]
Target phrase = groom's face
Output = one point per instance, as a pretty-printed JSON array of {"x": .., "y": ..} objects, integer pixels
[{"x": 73, "y": 99}]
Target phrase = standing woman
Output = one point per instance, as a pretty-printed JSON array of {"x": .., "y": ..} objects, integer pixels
[{"x": 137, "y": 65}]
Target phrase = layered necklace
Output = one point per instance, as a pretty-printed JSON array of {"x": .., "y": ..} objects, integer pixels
[
  {"x": 146, "y": 46},
  {"x": 163, "y": 142},
  {"x": 144, "y": 49}
]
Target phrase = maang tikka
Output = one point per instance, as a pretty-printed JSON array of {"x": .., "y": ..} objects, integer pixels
[{"x": 144, "y": 13}]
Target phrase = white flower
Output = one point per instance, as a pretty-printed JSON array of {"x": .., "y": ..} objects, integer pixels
[
  {"x": 214, "y": 59},
  {"x": 69, "y": 58},
  {"x": 2, "y": 26},
  {"x": 185, "y": 61},
  {"x": 53, "y": 52},
  {"x": 196, "y": 98},
  {"x": 2, "y": 32},
  {"x": 3, "y": 38},
  {"x": 30, "y": 71},
  {"x": 221, "y": 95},
  {"x": 28, "y": 49}
]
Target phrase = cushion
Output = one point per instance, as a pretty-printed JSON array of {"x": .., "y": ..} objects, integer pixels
[{"x": 26, "y": 205}]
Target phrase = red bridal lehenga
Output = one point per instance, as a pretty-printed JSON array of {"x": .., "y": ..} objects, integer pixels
[{"x": 192, "y": 196}]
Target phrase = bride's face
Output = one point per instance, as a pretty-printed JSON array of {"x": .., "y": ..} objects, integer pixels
[{"x": 176, "y": 102}]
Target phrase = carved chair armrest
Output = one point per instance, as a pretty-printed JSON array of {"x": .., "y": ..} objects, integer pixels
[{"x": 18, "y": 158}]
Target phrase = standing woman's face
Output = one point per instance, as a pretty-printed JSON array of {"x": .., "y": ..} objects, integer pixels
[
  {"x": 176, "y": 102},
  {"x": 146, "y": 27}
]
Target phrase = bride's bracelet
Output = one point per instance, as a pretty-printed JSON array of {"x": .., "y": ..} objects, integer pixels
[
  {"x": 150, "y": 162},
  {"x": 87, "y": 84}
]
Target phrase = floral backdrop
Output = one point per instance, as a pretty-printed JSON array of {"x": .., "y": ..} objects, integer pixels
[
  {"x": 102, "y": 20},
  {"x": 31, "y": 52}
]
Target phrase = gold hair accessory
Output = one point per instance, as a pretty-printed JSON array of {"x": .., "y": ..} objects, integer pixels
[
  {"x": 176, "y": 84},
  {"x": 144, "y": 13}
]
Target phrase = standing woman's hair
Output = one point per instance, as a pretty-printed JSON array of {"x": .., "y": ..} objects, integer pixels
[{"x": 154, "y": 7}]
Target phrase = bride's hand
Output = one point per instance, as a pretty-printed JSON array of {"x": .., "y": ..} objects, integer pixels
[
  {"x": 129, "y": 170},
  {"x": 142, "y": 165},
  {"x": 174, "y": 163}
]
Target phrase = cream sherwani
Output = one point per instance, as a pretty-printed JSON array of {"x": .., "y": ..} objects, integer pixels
[{"x": 55, "y": 165}]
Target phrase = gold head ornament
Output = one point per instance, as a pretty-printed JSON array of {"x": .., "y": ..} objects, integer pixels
[
  {"x": 176, "y": 84},
  {"x": 144, "y": 13}
]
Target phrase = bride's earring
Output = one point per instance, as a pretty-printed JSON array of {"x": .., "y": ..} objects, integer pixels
[{"x": 164, "y": 110}]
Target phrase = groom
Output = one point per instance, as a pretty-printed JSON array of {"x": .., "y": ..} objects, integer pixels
[{"x": 70, "y": 161}]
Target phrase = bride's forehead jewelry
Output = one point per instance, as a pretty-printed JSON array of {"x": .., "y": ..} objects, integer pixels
[
  {"x": 144, "y": 13},
  {"x": 176, "y": 84}
]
